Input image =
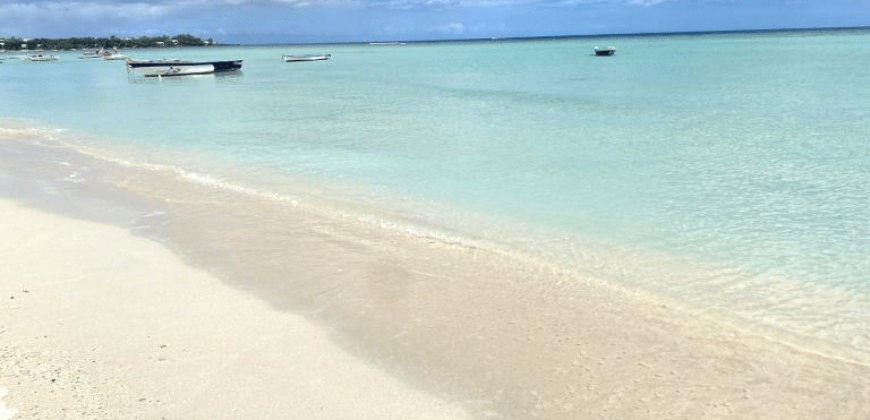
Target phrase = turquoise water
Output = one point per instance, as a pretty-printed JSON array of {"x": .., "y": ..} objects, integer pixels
[{"x": 728, "y": 171}]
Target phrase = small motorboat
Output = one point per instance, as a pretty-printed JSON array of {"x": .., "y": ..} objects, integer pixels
[
  {"x": 91, "y": 54},
  {"x": 40, "y": 57},
  {"x": 605, "y": 51},
  {"x": 115, "y": 56},
  {"x": 173, "y": 67},
  {"x": 305, "y": 57}
]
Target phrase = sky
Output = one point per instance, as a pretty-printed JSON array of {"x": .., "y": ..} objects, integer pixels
[{"x": 314, "y": 21}]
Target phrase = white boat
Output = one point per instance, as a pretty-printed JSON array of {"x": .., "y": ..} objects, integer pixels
[
  {"x": 173, "y": 67},
  {"x": 91, "y": 54},
  {"x": 305, "y": 57},
  {"x": 105, "y": 54},
  {"x": 39, "y": 57},
  {"x": 115, "y": 56},
  {"x": 605, "y": 51}
]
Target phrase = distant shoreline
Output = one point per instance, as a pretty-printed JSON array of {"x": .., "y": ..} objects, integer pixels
[
  {"x": 553, "y": 37},
  {"x": 622, "y": 35},
  {"x": 112, "y": 42},
  {"x": 11, "y": 42}
]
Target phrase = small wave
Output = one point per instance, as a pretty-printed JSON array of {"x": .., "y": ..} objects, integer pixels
[{"x": 211, "y": 181}]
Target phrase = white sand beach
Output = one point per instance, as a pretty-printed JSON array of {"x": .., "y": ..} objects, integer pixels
[{"x": 98, "y": 323}]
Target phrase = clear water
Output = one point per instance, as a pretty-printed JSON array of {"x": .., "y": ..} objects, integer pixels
[{"x": 728, "y": 171}]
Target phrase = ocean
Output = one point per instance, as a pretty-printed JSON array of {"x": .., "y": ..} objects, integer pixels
[{"x": 727, "y": 172}]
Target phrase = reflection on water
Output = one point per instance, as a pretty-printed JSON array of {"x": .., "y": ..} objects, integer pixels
[{"x": 222, "y": 77}]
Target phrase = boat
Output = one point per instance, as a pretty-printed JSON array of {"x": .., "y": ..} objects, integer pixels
[
  {"x": 605, "y": 51},
  {"x": 305, "y": 57},
  {"x": 39, "y": 57},
  {"x": 91, "y": 54},
  {"x": 173, "y": 67},
  {"x": 115, "y": 56}
]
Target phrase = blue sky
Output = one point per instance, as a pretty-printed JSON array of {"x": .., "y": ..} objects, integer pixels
[{"x": 291, "y": 21}]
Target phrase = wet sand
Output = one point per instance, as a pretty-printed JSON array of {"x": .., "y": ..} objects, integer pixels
[{"x": 136, "y": 295}]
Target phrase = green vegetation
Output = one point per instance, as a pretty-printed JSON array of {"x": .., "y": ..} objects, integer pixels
[{"x": 183, "y": 40}]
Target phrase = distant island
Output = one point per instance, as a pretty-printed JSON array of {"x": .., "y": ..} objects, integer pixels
[{"x": 112, "y": 42}]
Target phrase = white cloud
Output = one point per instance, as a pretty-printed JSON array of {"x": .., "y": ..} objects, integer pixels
[
  {"x": 646, "y": 3},
  {"x": 442, "y": 4},
  {"x": 47, "y": 16},
  {"x": 450, "y": 28},
  {"x": 153, "y": 9},
  {"x": 83, "y": 11},
  {"x": 125, "y": 9},
  {"x": 450, "y": 4}
]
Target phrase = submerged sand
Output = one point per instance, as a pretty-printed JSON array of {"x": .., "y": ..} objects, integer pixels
[{"x": 98, "y": 323}]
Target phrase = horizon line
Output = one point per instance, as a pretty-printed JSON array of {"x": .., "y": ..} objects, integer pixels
[
  {"x": 509, "y": 38},
  {"x": 544, "y": 37}
]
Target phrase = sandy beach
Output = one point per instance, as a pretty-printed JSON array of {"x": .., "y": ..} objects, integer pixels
[{"x": 96, "y": 322}]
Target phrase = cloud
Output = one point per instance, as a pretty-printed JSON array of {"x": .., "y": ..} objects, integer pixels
[
  {"x": 450, "y": 28},
  {"x": 155, "y": 9},
  {"x": 647, "y": 3},
  {"x": 137, "y": 10},
  {"x": 83, "y": 11},
  {"x": 481, "y": 4},
  {"x": 100, "y": 17},
  {"x": 442, "y": 4}
]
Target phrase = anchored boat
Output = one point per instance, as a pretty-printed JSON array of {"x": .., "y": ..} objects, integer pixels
[
  {"x": 305, "y": 57},
  {"x": 115, "y": 56},
  {"x": 172, "y": 67},
  {"x": 605, "y": 51},
  {"x": 39, "y": 57}
]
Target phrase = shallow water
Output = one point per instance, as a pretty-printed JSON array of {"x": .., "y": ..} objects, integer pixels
[{"x": 728, "y": 171}]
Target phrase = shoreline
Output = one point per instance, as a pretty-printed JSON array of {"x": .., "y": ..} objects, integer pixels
[
  {"x": 460, "y": 331},
  {"x": 159, "y": 200}
]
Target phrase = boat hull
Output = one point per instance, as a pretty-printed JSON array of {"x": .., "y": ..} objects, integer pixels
[
  {"x": 307, "y": 57},
  {"x": 170, "y": 68},
  {"x": 40, "y": 57},
  {"x": 605, "y": 51}
]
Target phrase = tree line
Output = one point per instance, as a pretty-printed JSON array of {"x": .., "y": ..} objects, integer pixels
[{"x": 86, "y": 43}]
